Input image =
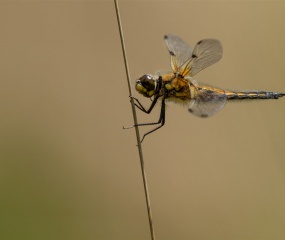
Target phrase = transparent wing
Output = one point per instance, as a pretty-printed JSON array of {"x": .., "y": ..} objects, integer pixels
[
  {"x": 208, "y": 101},
  {"x": 179, "y": 51},
  {"x": 205, "y": 53}
]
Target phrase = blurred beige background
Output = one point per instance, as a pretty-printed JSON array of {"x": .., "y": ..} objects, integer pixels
[{"x": 69, "y": 171}]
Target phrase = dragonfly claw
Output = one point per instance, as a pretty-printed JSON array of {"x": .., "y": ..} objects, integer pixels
[{"x": 129, "y": 127}]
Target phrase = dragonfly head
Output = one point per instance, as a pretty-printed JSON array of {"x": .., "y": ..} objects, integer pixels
[{"x": 146, "y": 85}]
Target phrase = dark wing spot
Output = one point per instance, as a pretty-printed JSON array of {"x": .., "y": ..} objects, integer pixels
[
  {"x": 190, "y": 110},
  {"x": 204, "y": 115},
  {"x": 194, "y": 56},
  {"x": 165, "y": 37},
  {"x": 171, "y": 53},
  {"x": 199, "y": 42}
]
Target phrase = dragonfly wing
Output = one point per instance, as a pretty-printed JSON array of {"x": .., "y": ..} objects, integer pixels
[
  {"x": 179, "y": 51},
  {"x": 205, "y": 53},
  {"x": 207, "y": 102}
]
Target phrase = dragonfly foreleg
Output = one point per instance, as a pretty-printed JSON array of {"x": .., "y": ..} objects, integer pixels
[
  {"x": 161, "y": 121},
  {"x": 141, "y": 107}
]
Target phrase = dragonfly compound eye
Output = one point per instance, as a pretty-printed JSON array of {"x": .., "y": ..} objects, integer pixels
[{"x": 146, "y": 85}]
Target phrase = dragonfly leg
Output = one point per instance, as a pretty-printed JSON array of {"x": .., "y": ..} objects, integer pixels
[
  {"x": 141, "y": 107},
  {"x": 161, "y": 121}
]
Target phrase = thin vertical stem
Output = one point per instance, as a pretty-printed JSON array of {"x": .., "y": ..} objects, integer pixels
[{"x": 135, "y": 123}]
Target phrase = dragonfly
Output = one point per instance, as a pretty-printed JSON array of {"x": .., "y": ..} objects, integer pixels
[{"x": 179, "y": 86}]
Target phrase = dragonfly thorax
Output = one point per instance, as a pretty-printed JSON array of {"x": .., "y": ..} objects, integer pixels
[{"x": 146, "y": 85}]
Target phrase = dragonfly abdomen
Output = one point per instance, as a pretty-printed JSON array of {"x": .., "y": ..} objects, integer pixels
[{"x": 253, "y": 95}]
